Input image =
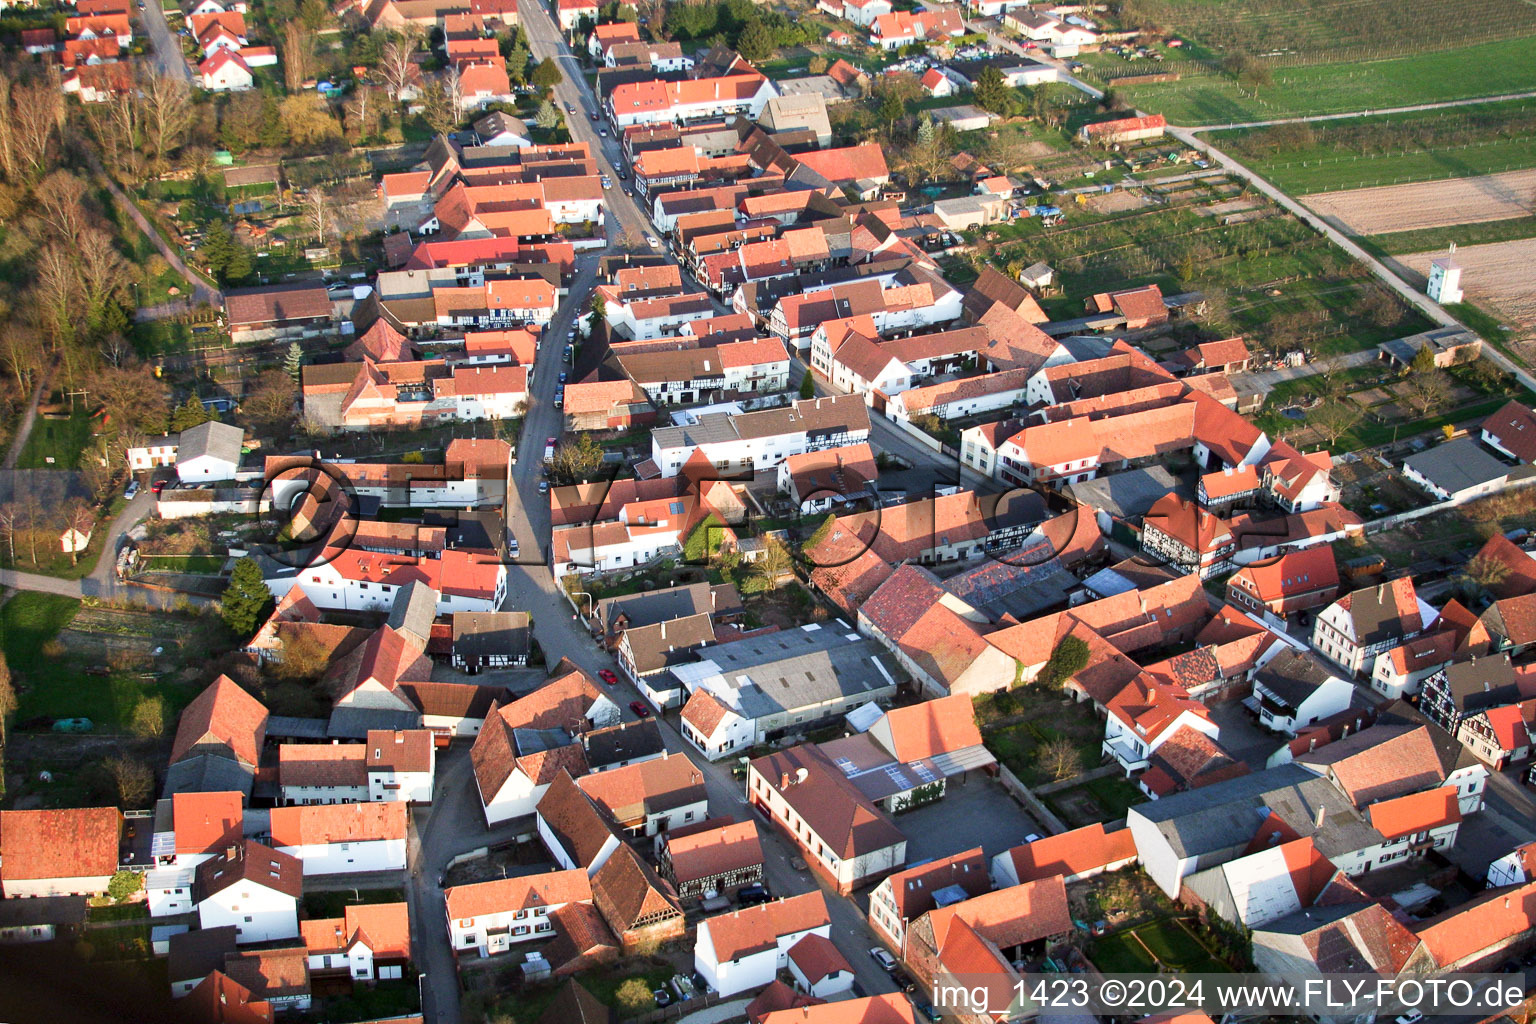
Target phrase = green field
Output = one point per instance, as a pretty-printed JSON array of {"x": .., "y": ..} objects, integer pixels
[
  {"x": 1362, "y": 152},
  {"x": 62, "y": 441},
  {"x": 52, "y": 682},
  {"x": 1492, "y": 69},
  {"x": 1168, "y": 941},
  {"x": 208, "y": 565},
  {"x": 1427, "y": 239}
]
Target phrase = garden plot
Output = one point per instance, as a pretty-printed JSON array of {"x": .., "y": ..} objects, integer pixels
[
  {"x": 1118, "y": 201},
  {"x": 1430, "y": 204},
  {"x": 1498, "y": 274}
]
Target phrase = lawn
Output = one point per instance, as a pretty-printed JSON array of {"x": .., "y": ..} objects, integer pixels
[
  {"x": 51, "y": 681},
  {"x": 56, "y": 443},
  {"x": 1467, "y": 72},
  {"x": 1140, "y": 950}
]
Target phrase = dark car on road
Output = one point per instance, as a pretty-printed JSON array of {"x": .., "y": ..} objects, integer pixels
[{"x": 751, "y": 895}]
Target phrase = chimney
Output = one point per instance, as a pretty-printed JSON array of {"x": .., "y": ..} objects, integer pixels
[
  {"x": 1345, "y": 734},
  {"x": 1311, "y": 744},
  {"x": 231, "y": 852},
  {"x": 783, "y": 780},
  {"x": 1322, "y": 814}
]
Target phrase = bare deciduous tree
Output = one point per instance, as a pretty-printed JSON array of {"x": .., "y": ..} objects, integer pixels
[
  {"x": 1059, "y": 759},
  {"x": 39, "y": 112},
  {"x": 298, "y": 55},
  {"x": 10, "y": 521},
  {"x": 61, "y": 196},
  {"x": 21, "y": 352},
  {"x": 1426, "y": 391},
  {"x": 167, "y": 113},
  {"x": 103, "y": 271},
  {"x": 57, "y": 291},
  {"x": 135, "y": 780},
  {"x": 397, "y": 69},
  {"x": 1334, "y": 419},
  {"x": 8, "y": 158},
  {"x": 317, "y": 210}
]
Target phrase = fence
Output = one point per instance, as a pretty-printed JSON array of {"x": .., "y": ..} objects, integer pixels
[
  {"x": 1032, "y": 803},
  {"x": 1387, "y": 522}
]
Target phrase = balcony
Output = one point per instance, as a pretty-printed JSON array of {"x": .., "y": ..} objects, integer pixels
[{"x": 1127, "y": 756}]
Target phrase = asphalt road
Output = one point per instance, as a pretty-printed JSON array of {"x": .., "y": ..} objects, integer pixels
[{"x": 167, "y": 50}]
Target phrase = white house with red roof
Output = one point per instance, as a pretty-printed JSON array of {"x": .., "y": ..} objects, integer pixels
[
  {"x": 1272, "y": 879},
  {"x": 203, "y": 825},
  {"x": 369, "y": 942},
  {"x": 225, "y": 71},
  {"x": 253, "y": 887},
  {"x": 1294, "y": 582},
  {"x": 1078, "y": 854},
  {"x": 523, "y": 746},
  {"x": 65, "y": 852},
  {"x": 490, "y": 916},
  {"x": 818, "y": 967},
  {"x": 1512, "y": 432},
  {"x": 1516, "y": 867},
  {"x": 694, "y": 99},
  {"x": 861, "y": 12},
  {"x": 570, "y": 12},
  {"x": 333, "y": 839},
  {"x": 903, "y": 897},
  {"x": 1148, "y": 712},
  {"x": 746, "y": 948},
  {"x": 356, "y": 580},
  {"x": 1357, "y": 627}
]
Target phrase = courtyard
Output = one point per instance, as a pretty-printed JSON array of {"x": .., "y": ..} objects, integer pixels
[{"x": 975, "y": 812}]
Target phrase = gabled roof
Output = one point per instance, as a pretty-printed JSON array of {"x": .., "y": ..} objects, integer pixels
[
  {"x": 574, "y": 820},
  {"x": 714, "y": 851},
  {"x": 205, "y": 822},
  {"x": 250, "y": 861},
  {"x": 1485, "y": 921},
  {"x": 385, "y": 928},
  {"x": 1379, "y": 762},
  {"x": 636, "y": 790},
  {"x": 831, "y": 806},
  {"x": 1072, "y": 853},
  {"x": 221, "y": 1000},
  {"x": 754, "y": 929},
  {"x": 322, "y": 824},
  {"x": 77, "y": 842},
  {"x": 1514, "y": 427},
  {"x": 913, "y": 890},
  {"x": 1293, "y": 573},
  {"x": 1383, "y": 612},
  {"x": 226, "y": 715},
  {"x": 629, "y": 894},
  {"x": 1416, "y": 812},
  {"x": 932, "y": 727},
  {"x": 505, "y": 895},
  {"x": 1013, "y": 916}
]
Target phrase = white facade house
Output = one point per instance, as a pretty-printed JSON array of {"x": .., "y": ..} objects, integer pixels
[
  {"x": 692, "y": 100},
  {"x": 400, "y": 764},
  {"x": 746, "y": 949},
  {"x": 1514, "y": 868},
  {"x": 491, "y": 916},
  {"x": 342, "y": 838},
  {"x": 254, "y": 888},
  {"x": 761, "y": 440},
  {"x": 152, "y": 454},
  {"x": 861, "y": 12},
  {"x": 364, "y": 581}
]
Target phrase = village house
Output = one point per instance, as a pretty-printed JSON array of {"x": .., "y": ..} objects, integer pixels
[
  {"x": 1357, "y": 627},
  {"x": 1295, "y": 689},
  {"x": 1075, "y": 855},
  {"x": 525, "y": 744},
  {"x": 342, "y": 838},
  {"x": 840, "y": 832},
  {"x": 218, "y": 741},
  {"x": 903, "y": 897},
  {"x": 252, "y": 887},
  {"x": 714, "y": 856},
  {"x": 746, "y": 948},
  {"x": 490, "y": 916},
  {"x": 1294, "y": 582},
  {"x": 368, "y": 943},
  {"x": 761, "y": 440},
  {"x": 65, "y": 852},
  {"x": 651, "y": 797}
]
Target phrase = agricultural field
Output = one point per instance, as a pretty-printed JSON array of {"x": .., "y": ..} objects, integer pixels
[
  {"x": 1456, "y": 142},
  {"x": 1492, "y": 69},
  {"x": 1431, "y": 204},
  {"x": 1270, "y": 278},
  {"x": 1307, "y": 31},
  {"x": 1498, "y": 275}
]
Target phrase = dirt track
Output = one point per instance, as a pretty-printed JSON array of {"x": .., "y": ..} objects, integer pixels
[
  {"x": 1430, "y": 204},
  {"x": 1499, "y": 273}
]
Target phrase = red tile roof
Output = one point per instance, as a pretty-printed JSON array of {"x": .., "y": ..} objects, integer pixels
[
  {"x": 912, "y": 890},
  {"x": 1514, "y": 427},
  {"x": 1292, "y": 574},
  {"x": 1013, "y": 916},
  {"x": 818, "y": 958},
  {"x": 1487, "y": 920},
  {"x": 504, "y": 895},
  {"x": 80, "y": 842},
  {"x": 1416, "y": 812},
  {"x": 848, "y": 164},
  {"x": 226, "y": 715},
  {"x": 715, "y": 851},
  {"x": 744, "y": 932},
  {"x": 320, "y": 824},
  {"x": 933, "y": 727},
  {"x": 1072, "y": 853},
  {"x": 205, "y": 822}
]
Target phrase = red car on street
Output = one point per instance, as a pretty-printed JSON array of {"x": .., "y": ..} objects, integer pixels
[
  {"x": 639, "y": 708},
  {"x": 607, "y": 675}
]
